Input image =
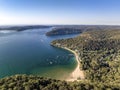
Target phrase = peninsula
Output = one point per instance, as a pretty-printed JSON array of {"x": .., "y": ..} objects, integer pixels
[{"x": 98, "y": 64}]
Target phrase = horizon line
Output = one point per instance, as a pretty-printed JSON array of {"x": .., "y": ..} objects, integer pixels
[{"x": 59, "y": 24}]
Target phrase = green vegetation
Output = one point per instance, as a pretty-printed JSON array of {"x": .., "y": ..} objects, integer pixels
[
  {"x": 76, "y": 29},
  {"x": 22, "y": 28},
  {"x": 100, "y": 55},
  {"x": 100, "y": 59},
  {"x": 63, "y": 31},
  {"x": 25, "y": 82}
]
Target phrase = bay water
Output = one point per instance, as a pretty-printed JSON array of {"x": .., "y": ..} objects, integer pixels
[{"x": 29, "y": 52}]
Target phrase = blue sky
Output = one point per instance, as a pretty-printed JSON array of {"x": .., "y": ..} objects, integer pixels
[{"x": 104, "y": 12}]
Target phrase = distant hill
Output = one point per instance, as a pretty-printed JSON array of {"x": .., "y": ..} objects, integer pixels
[
  {"x": 76, "y": 29},
  {"x": 63, "y": 31},
  {"x": 22, "y": 28}
]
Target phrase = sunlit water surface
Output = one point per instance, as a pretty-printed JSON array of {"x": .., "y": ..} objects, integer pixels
[{"x": 29, "y": 52}]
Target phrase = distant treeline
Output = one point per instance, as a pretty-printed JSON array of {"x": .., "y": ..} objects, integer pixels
[
  {"x": 61, "y": 29},
  {"x": 22, "y": 28},
  {"x": 76, "y": 29}
]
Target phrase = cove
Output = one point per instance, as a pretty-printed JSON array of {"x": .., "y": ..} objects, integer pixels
[{"x": 29, "y": 52}]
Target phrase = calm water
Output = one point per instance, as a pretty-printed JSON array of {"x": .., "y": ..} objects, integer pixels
[{"x": 29, "y": 52}]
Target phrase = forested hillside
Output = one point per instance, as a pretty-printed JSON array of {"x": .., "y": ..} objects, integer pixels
[
  {"x": 25, "y": 82},
  {"x": 64, "y": 31},
  {"x": 76, "y": 29},
  {"x": 100, "y": 54}
]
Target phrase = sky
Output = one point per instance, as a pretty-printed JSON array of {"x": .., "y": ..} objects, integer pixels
[{"x": 67, "y": 12}]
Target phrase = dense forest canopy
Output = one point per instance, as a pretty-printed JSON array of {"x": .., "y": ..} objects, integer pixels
[
  {"x": 25, "y": 82},
  {"x": 99, "y": 52}
]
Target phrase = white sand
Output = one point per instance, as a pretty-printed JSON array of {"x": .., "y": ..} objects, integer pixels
[{"x": 77, "y": 73}]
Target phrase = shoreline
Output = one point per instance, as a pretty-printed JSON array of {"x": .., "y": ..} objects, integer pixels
[{"x": 77, "y": 73}]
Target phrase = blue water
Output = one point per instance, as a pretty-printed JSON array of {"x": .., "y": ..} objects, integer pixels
[{"x": 29, "y": 52}]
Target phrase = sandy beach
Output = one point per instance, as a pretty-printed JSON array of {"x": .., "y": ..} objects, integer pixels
[{"x": 77, "y": 73}]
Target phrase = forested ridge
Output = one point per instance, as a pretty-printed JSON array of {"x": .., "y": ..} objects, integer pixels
[
  {"x": 64, "y": 31},
  {"x": 76, "y": 29},
  {"x": 22, "y": 28}
]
